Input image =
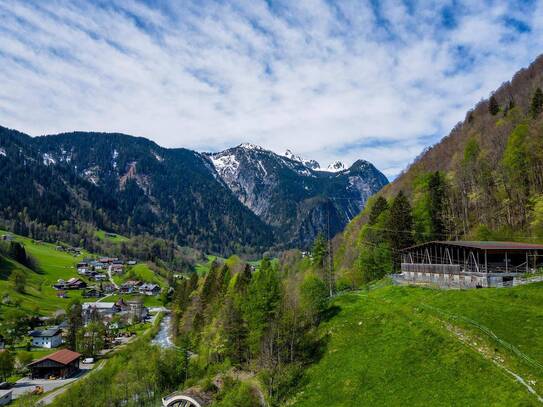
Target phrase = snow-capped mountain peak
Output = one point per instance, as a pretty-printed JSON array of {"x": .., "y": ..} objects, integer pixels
[
  {"x": 250, "y": 146},
  {"x": 312, "y": 164},
  {"x": 336, "y": 166}
]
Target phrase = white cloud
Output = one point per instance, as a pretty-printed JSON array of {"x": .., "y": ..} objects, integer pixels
[{"x": 312, "y": 76}]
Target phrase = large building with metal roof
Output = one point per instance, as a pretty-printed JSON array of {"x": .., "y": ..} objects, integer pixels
[{"x": 470, "y": 264}]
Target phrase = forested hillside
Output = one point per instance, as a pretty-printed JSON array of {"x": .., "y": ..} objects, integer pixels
[{"x": 483, "y": 181}]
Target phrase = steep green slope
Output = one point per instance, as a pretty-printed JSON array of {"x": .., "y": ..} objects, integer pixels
[
  {"x": 419, "y": 346},
  {"x": 39, "y": 294}
]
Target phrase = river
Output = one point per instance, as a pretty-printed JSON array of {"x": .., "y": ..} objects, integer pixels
[{"x": 164, "y": 338}]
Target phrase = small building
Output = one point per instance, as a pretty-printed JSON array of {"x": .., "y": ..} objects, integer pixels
[
  {"x": 105, "y": 310},
  {"x": 6, "y": 396},
  {"x": 469, "y": 264},
  {"x": 92, "y": 292},
  {"x": 49, "y": 338},
  {"x": 149, "y": 289},
  {"x": 130, "y": 286},
  {"x": 62, "y": 294},
  {"x": 132, "y": 262},
  {"x": 100, "y": 277},
  {"x": 60, "y": 365}
]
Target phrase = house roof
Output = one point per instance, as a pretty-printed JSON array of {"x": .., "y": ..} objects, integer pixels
[
  {"x": 486, "y": 245},
  {"x": 98, "y": 305},
  {"x": 47, "y": 333},
  {"x": 63, "y": 356}
]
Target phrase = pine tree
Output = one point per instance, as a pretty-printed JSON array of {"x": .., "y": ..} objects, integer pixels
[
  {"x": 377, "y": 209},
  {"x": 493, "y": 106},
  {"x": 75, "y": 323},
  {"x": 537, "y": 103},
  {"x": 400, "y": 226},
  {"x": 319, "y": 251},
  {"x": 436, "y": 190}
]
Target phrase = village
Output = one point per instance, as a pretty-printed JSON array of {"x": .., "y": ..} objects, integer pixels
[{"x": 111, "y": 312}]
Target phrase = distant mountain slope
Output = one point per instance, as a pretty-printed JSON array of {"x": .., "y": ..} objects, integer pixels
[
  {"x": 124, "y": 184},
  {"x": 292, "y": 194},
  {"x": 244, "y": 199}
]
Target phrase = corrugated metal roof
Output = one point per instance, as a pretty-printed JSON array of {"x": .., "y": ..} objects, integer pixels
[
  {"x": 486, "y": 245},
  {"x": 63, "y": 356}
]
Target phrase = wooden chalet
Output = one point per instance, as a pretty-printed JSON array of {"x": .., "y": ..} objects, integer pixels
[
  {"x": 61, "y": 365},
  {"x": 470, "y": 263}
]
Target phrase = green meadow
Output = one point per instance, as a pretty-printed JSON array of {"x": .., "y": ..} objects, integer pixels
[{"x": 392, "y": 346}]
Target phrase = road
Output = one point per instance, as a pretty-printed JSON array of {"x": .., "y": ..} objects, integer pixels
[
  {"x": 49, "y": 398},
  {"x": 111, "y": 278}
]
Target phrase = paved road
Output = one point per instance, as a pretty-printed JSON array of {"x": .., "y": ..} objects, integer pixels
[{"x": 26, "y": 384}]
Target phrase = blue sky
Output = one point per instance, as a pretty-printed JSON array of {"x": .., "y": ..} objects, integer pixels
[{"x": 329, "y": 80}]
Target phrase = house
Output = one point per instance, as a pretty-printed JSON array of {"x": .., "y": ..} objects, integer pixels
[
  {"x": 71, "y": 284},
  {"x": 100, "y": 277},
  {"x": 82, "y": 264},
  {"x": 469, "y": 264},
  {"x": 130, "y": 286},
  {"x": 6, "y": 396},
  {"x": 49, "y": 338},
  {"x": 104, "y": 310},
  {"x": 132, "y": 262},
  {"x": 7, "y": 237},
  {"x": 60, "y": 365},
  {"x": 116, "y": 268},
  {"x": 149, "y": 289},
  {"x": 92, "y": 292}
]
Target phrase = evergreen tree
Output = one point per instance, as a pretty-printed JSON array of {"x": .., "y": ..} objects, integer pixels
[
  {"x": 436, "y": 191},
  {"x": 400, "y": 226},
  {"x": 380, "y": 206},
  {"x": 537, "y": 103},
  {"x": 319, "y": 251},
  {"x": 493, "y": 106},
  {"x": 75, "y": 323}
]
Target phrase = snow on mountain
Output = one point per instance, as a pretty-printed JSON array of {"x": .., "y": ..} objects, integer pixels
[
  {"x": 48, "y": 159},
  {"x": 312, "y": 164},
  {"x": 336, "y": 166},
  {"x": 3, "y": 152}
]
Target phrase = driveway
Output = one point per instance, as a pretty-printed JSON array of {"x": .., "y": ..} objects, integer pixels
[{"x": 26, "y": 384}]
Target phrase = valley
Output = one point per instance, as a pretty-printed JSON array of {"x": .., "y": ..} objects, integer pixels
[{"x": 268, "y": 204}]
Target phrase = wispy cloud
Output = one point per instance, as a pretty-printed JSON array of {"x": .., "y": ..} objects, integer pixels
[{"x": 329, "y": 80}]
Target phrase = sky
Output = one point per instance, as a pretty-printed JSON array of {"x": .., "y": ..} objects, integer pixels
[{"x": 330, "y": 80}]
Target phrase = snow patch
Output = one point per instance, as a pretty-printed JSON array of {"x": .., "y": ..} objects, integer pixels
[
  {"x": 115, "y": 155},
  {"x": 3, "y": 152},
  {"x": 90, "y": 175},
  {"x": 48, "y": 159},
  {"x": 312, "y": 164},
  {"x": 249, "y": 146},
  {"x": 158, "y": 157},
  {"x": 225, "y": 164},
  {"x": 336, "y": 166}
]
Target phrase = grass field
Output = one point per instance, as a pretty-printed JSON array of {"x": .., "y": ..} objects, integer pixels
[
  {"x": 415, "y": 346},
  {"x": 101, "y": 234},
  {"x": 52, "y": 266}
]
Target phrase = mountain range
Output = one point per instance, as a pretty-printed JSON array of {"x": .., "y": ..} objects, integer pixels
[{"x": 243, "y": 199}]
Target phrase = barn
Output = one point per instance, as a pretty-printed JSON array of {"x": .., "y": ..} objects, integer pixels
[
  {"x": 60, "y": 365},
  {"x": 470, "y": 264}
]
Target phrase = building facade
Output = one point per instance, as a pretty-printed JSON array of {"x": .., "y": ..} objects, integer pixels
[{"x": 469, "y": 264}]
